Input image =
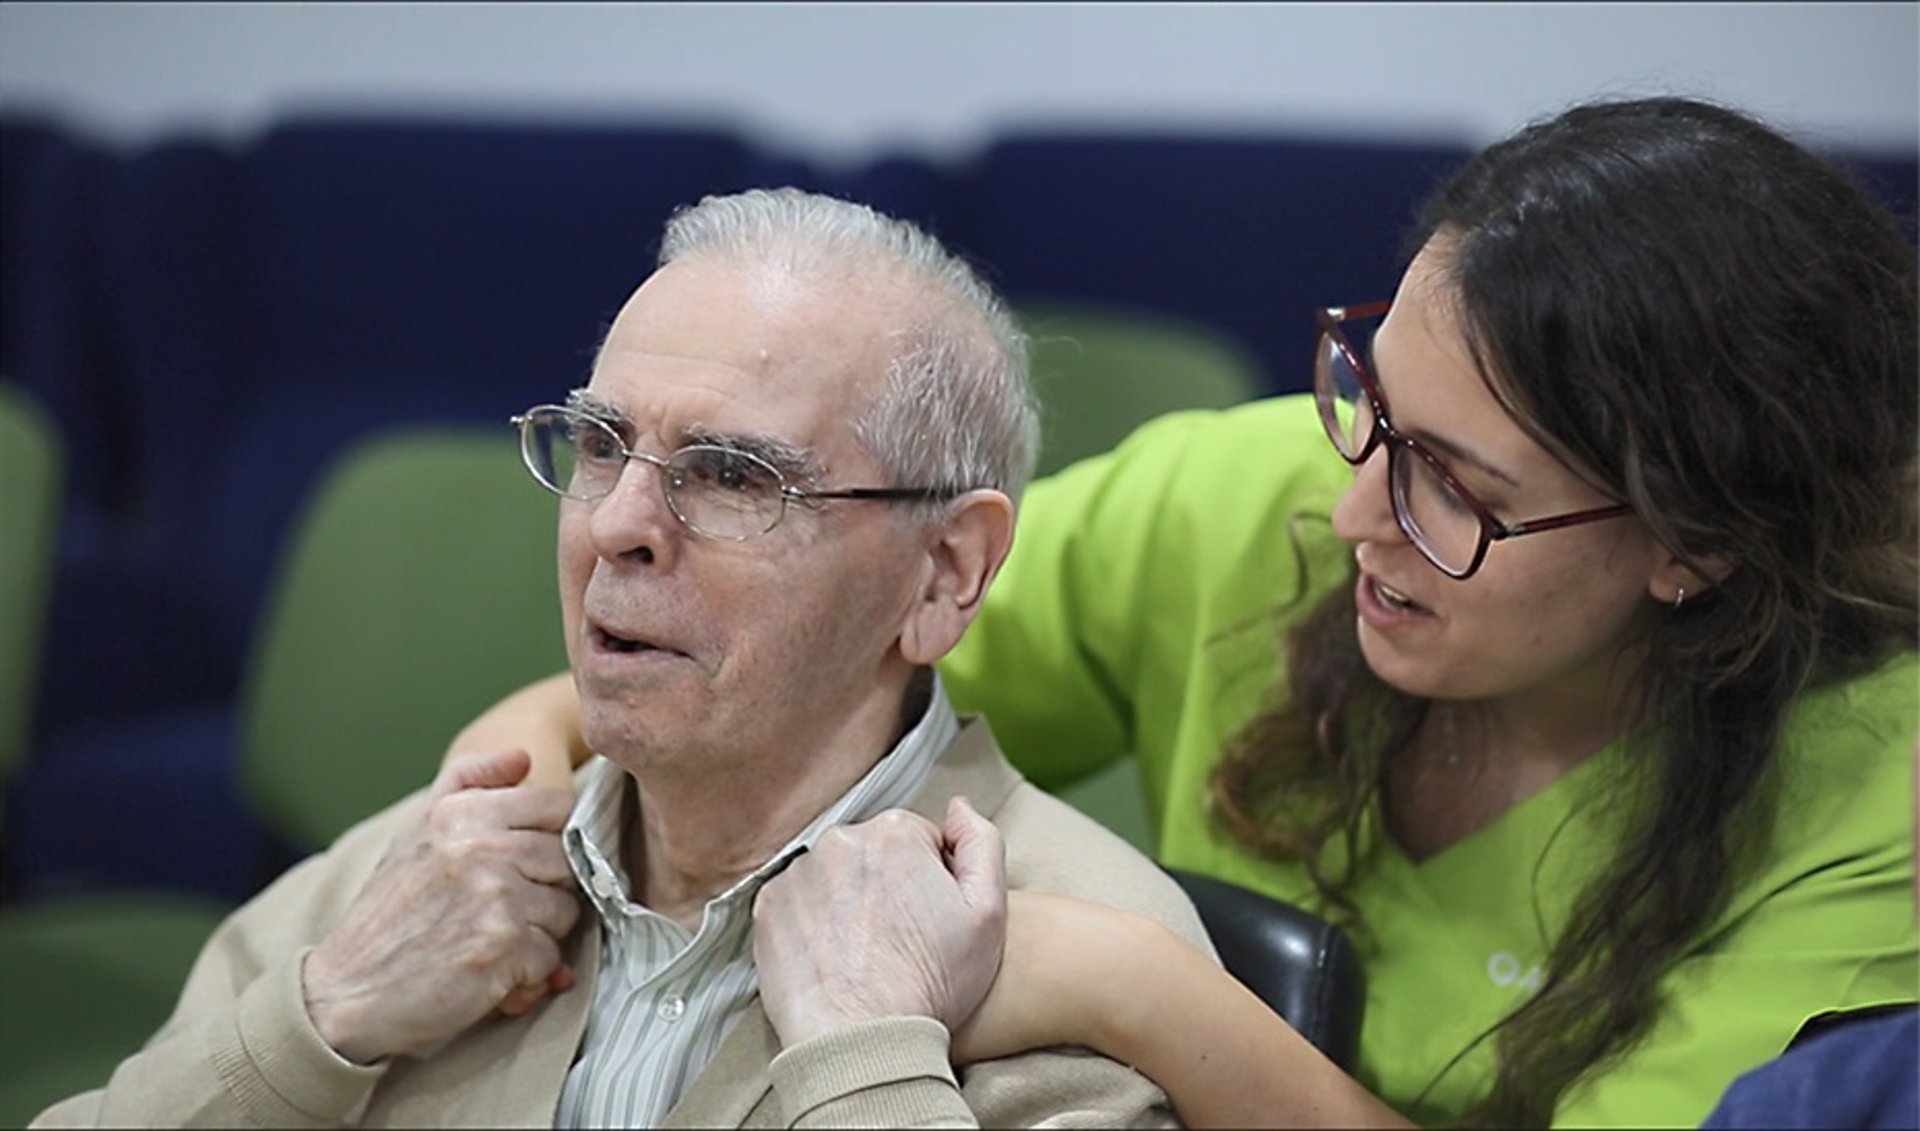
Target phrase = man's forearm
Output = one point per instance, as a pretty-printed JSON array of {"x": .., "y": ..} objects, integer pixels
[{"x": 888, "y": 1072}]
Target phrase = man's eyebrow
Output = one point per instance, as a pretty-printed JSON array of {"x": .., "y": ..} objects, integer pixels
[
  {"x": 579, "y": 400},
  {"x": 789, "y": 459}
]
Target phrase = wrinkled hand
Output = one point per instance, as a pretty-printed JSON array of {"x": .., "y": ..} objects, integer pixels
[
  {"x": 892, "y": 917},
  {"x": 553, "y": 769},
  {"x": 468, "y": 903}
]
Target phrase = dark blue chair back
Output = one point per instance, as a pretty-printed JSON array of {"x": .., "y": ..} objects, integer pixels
[{"x": 1250, "y": 234}]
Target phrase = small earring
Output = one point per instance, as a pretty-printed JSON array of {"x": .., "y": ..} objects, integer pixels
[{"x": 1678, "y": 597}]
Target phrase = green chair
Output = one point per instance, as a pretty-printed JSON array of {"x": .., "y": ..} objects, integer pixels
[
  {"x": 84, "y": 978},
  {"x": 419, "y": 588},
  {"x": 1101, "y": 372},
  {"x": 87, "y": 979},
  {"x": 30, "y": 485}
]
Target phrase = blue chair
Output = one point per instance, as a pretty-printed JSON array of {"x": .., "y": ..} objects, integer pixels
[
  {"x": 442, "y": 267},
  {"x": 287, "y": 299},
  {"x": 1248, "y": 233},
  {"x": 1893, "y": 177},
  {"x": 87, "y": 977},
  {"x": 56, "y": 336}
]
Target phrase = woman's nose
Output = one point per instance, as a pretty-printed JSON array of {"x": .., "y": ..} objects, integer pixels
[{"x": 1365, "y": 510}]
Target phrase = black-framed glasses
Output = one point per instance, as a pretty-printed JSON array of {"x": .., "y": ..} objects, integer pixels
[
  {"x": 1444, "y": 521},
  {"x": 715, "y": 491}
]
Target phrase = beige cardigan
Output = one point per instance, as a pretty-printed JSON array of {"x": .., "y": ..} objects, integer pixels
[{"x": 240, "y": 1050}]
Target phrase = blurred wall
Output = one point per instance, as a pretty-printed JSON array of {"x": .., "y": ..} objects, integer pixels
[{"x": 842, "y": 81}]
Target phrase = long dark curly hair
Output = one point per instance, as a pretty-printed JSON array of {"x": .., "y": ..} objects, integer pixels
[{"x": 1721, "y": 326}]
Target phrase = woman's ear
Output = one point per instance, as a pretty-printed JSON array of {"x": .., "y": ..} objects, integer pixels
[
  {"x": 964, "y": 553},
  {"x": 1674, "y": 580}
]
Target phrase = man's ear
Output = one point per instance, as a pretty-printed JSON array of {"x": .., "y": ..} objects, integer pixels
[{"x": 964, "y": 552}]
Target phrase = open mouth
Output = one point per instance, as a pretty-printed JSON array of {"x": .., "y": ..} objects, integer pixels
[
  {"x": 1394, "y": 600},
  {"x": 608, "y": 642}
]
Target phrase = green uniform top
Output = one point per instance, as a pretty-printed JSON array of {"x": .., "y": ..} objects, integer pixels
[{"x": 1140, "y": 612}]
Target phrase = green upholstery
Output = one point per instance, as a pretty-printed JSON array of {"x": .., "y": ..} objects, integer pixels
[
  {"x": 419, "y": 589},
  {"x": 30, "y": 472},
  {"x": 1101, "y": 372},
  {"x": 86, "y": 980}
]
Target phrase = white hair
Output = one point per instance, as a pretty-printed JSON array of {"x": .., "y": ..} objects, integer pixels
[{"x": 957, "y": 409}]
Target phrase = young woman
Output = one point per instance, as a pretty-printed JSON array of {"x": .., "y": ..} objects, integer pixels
[{"x": 1593, "y": 712}]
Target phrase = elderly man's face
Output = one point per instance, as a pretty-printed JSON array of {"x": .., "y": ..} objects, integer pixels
[{"x": 697, "y": 654}]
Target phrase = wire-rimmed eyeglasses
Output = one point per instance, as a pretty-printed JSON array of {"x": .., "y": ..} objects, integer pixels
[
  {"x": 1444, "y": 521},
  {"x": 716, "y": 491}
]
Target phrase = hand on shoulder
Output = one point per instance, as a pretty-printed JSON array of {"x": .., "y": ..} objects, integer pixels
[{"x": 469, "y": 902}]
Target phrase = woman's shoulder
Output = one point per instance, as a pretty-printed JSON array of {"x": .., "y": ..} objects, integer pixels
[
  {"x": 1862, "y": 725},
  {"x": 1280, "y": 433},
  {"x": 1847, "y": 762},
  {"x": 1209, "y": 482},
  {"x": 1268, "y": 440}
]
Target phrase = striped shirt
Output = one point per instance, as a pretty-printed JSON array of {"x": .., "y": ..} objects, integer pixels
[{"x": 663, "y": 1000}]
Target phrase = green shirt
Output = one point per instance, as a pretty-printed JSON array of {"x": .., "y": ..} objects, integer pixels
[{"x": 1140, "y": 613}]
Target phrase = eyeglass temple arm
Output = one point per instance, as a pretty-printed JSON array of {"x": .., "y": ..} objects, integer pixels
[
  {"x": 928, "y": 494},
  {"x": 1559, "y": 521}
]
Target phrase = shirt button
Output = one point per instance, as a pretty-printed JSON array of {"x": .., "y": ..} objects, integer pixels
[
  {"x": 603, "y": 885},
  {"x": 671, "y": 1007}
]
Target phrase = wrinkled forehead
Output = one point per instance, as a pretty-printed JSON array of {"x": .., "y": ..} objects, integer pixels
[
  {"x": 718, "y": 343},
  {"x": 769, "y": 318}
]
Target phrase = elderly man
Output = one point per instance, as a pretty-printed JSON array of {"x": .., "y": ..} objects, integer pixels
[{"x": 785, "y": 489}]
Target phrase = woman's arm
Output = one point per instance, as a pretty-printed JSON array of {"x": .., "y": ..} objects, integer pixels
[
  {"x": 895, "y": 917},
  {"x": 1081, "y": 973},
  {"x": 541, "y": 718}
]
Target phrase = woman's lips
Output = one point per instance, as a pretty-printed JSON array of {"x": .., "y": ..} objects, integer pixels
[
  {"x": 1393, "y": 598},
  {"x": 1384, "y": 607}
]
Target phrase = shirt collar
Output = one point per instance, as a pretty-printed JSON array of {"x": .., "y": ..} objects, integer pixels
[{"x": 595, "y": 832}]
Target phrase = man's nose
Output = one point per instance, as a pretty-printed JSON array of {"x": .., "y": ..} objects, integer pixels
[
  {"x": 633, "y": 520},
  {"x": 1365, "y": 510}
]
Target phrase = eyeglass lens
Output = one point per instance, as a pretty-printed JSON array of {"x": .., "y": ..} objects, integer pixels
[
  {"x": 717, "y": 491},
  {"x": 1431, "y": 511},
  {"x": 1433, "y": 514},
  {"x": 1344, "y": 407}
]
